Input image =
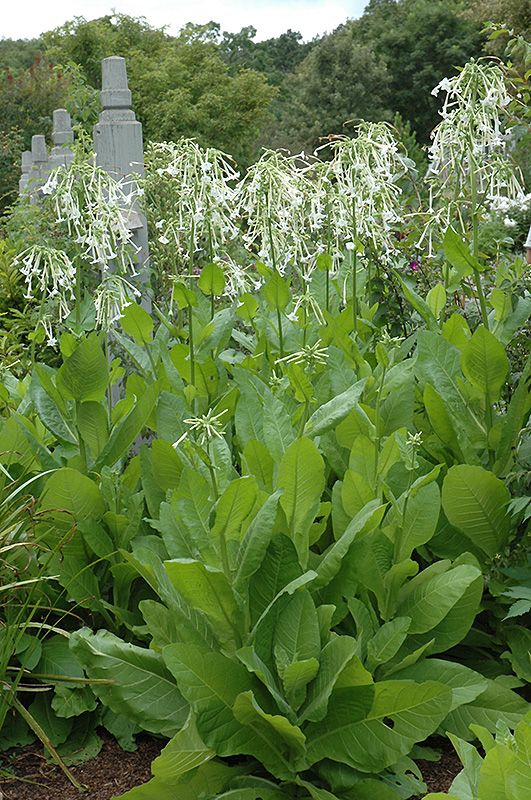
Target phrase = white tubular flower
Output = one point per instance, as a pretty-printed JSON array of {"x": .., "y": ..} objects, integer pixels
[
  {"x": 272, "y": 199},
  {"x": 94, "y": 207},
  {"x": 112, "y": 296},
  {"x": 191, "y": 201},
  {"x": 365, "y": 171},
  {"x": 472, "y": 135},
  {"x": 50, "y": 280}
]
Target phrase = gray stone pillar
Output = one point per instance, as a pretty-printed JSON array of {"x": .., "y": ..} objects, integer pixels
[
  {"x": 25, "y": 167},
  {"x": 119, "y": 146},
  {"x": 40, "y": 169},
  {"x": 62, "y": 138}
]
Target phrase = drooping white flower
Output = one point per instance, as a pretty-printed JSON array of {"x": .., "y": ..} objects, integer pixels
[
  {"x": 273, "y": 202},
  {"x": 191, "y": 202},
  {"x": 111, "y": 297}
]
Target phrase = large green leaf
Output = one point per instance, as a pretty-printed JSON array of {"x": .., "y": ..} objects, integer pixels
[
  {"x": 85, "y": 374},
  {"x": 277, "y": 742},
  {"x": 438, "y": 363},
  {"x": 475, "y": 501},
  {"x": 186, "y": 751},
  {"x": 140, "y": 687},
  {"x": 334, "y": 658},
  {"x": 331, "y": 413},
  {"x": 50, "y": 406},
  {"x": 427, "y": 602},
  {"x": 233, "y": 508},
  {"x": 254, "y": 546},
  {"x": 212, "y": 683},
  {"x": 137, "y": 323},
  {"x": 418, "y": 521},
  {"x": 93, "y": 426},
  {"x": 485, "y": 363},
  {"x": 372, "y": 727},
  {"x": 277, "y": 427},
  {"x": 506, "y": 770},
  {"x": 495, "y": 705},
  {"x": 125, "y": 432},
  {"x": 331, "y": 561},
  {"x": 466, "y": 684},
  {"x": 207, "y": 589},
  {"x": 457, "y": 251},
  {"x": 387, "y": 641},
  {"x": 206, "y": 780},
  {"x": 297, "y": 645},
  {"x": 71, "y": 491},
  {"x": 301, "y": 475}
]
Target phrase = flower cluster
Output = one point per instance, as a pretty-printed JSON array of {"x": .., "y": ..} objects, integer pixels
[
  {"x": 272, "y": 201},
  {"x": 364, "y": 172},
  {"x": 473, "y": 134},
  {"x": 95, "y": 209},
  {"x": 50, "y": 278},
  {"x": 192, "y": 200}
]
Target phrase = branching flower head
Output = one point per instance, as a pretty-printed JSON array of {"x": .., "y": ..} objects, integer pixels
[
  {"x": 207, "y": 427},
  {"x": 473, "y": 135},
  {"x": 191, "y": 198},
  {"x": 95, "y": 210},
  {"x": 111, "y": 297},
  {"x": 365, "y": 171},
  {"x": 272, "y": 200},
  {"x": 50, "y": 279}
]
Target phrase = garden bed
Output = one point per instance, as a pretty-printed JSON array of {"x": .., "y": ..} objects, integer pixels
[{"x": 114, "y": 771}]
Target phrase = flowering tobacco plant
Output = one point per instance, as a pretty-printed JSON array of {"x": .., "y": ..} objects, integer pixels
[
  {"x": 471, "y": 169},
  {"x": 90, "y": 219},
  {"x": 191, "y": 201},
  {"x": 273, "y": 202}
]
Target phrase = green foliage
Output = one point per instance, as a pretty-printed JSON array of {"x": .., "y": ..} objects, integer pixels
[{"x": 504, "y": 771}]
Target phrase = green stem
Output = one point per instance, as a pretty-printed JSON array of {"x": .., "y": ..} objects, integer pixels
[
  {"x": 107, "y": 349},
  {"x": 280, "y": 333},
  {"x": 36, "y": 728},
  {"x": 192, "y": 351},
  {"x": 475, "y": 227},
  {"x": 377, "y": 426},
  {"x": 354, "y": 271},
  {"x": 78, "y": 294}
]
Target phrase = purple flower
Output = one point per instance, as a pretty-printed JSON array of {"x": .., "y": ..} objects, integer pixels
[{"x": 414, "y": 265}]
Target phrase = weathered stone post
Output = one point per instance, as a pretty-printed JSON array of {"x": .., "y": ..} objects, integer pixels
[
  {"x": 62, "y": 138},
  {"x": 119, "y": 146},
  {"x": 40, "y": 170},
  {"x": 25, "y": 167}
]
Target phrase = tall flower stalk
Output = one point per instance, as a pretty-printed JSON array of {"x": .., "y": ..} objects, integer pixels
[
  {"x": 470, "y": 164},
  {"x": 364, "y": 172},
  {"x": 191, "y": 198}
]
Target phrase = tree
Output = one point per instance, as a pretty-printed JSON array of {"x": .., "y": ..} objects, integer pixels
[
  {"x": 189, "y": 91},
  {"x": 421, "y": 42},
  {"x": 87, "y": 43},
  {"x": 339, "y": 80}
]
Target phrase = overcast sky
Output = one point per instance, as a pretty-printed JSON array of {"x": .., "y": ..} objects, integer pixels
[{"x": 23, "y": 19}]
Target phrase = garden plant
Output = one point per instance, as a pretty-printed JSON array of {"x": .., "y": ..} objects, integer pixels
[{"x": 274, "y": 509}]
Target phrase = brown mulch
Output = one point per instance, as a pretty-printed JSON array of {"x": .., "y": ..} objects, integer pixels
[
  {"x": 111, "y": 773},
  {"x": 438, "y": 775},
  {"x": 114, "y": 771}
]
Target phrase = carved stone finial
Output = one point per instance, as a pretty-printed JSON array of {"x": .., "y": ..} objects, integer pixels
[
  {"x": 62, "y": 137},
  {"x": 62, "y": 127},
  {"x": 25, "y": 167},
  {"x": 115, "y": 91},
  {"x": 39, "y": 153},
  {"x": 40, "y": 168},
  {"x": 119, "y": 145}
]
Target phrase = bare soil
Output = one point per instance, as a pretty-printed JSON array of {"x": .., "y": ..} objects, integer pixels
[{"x": 114, "y": 771}]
